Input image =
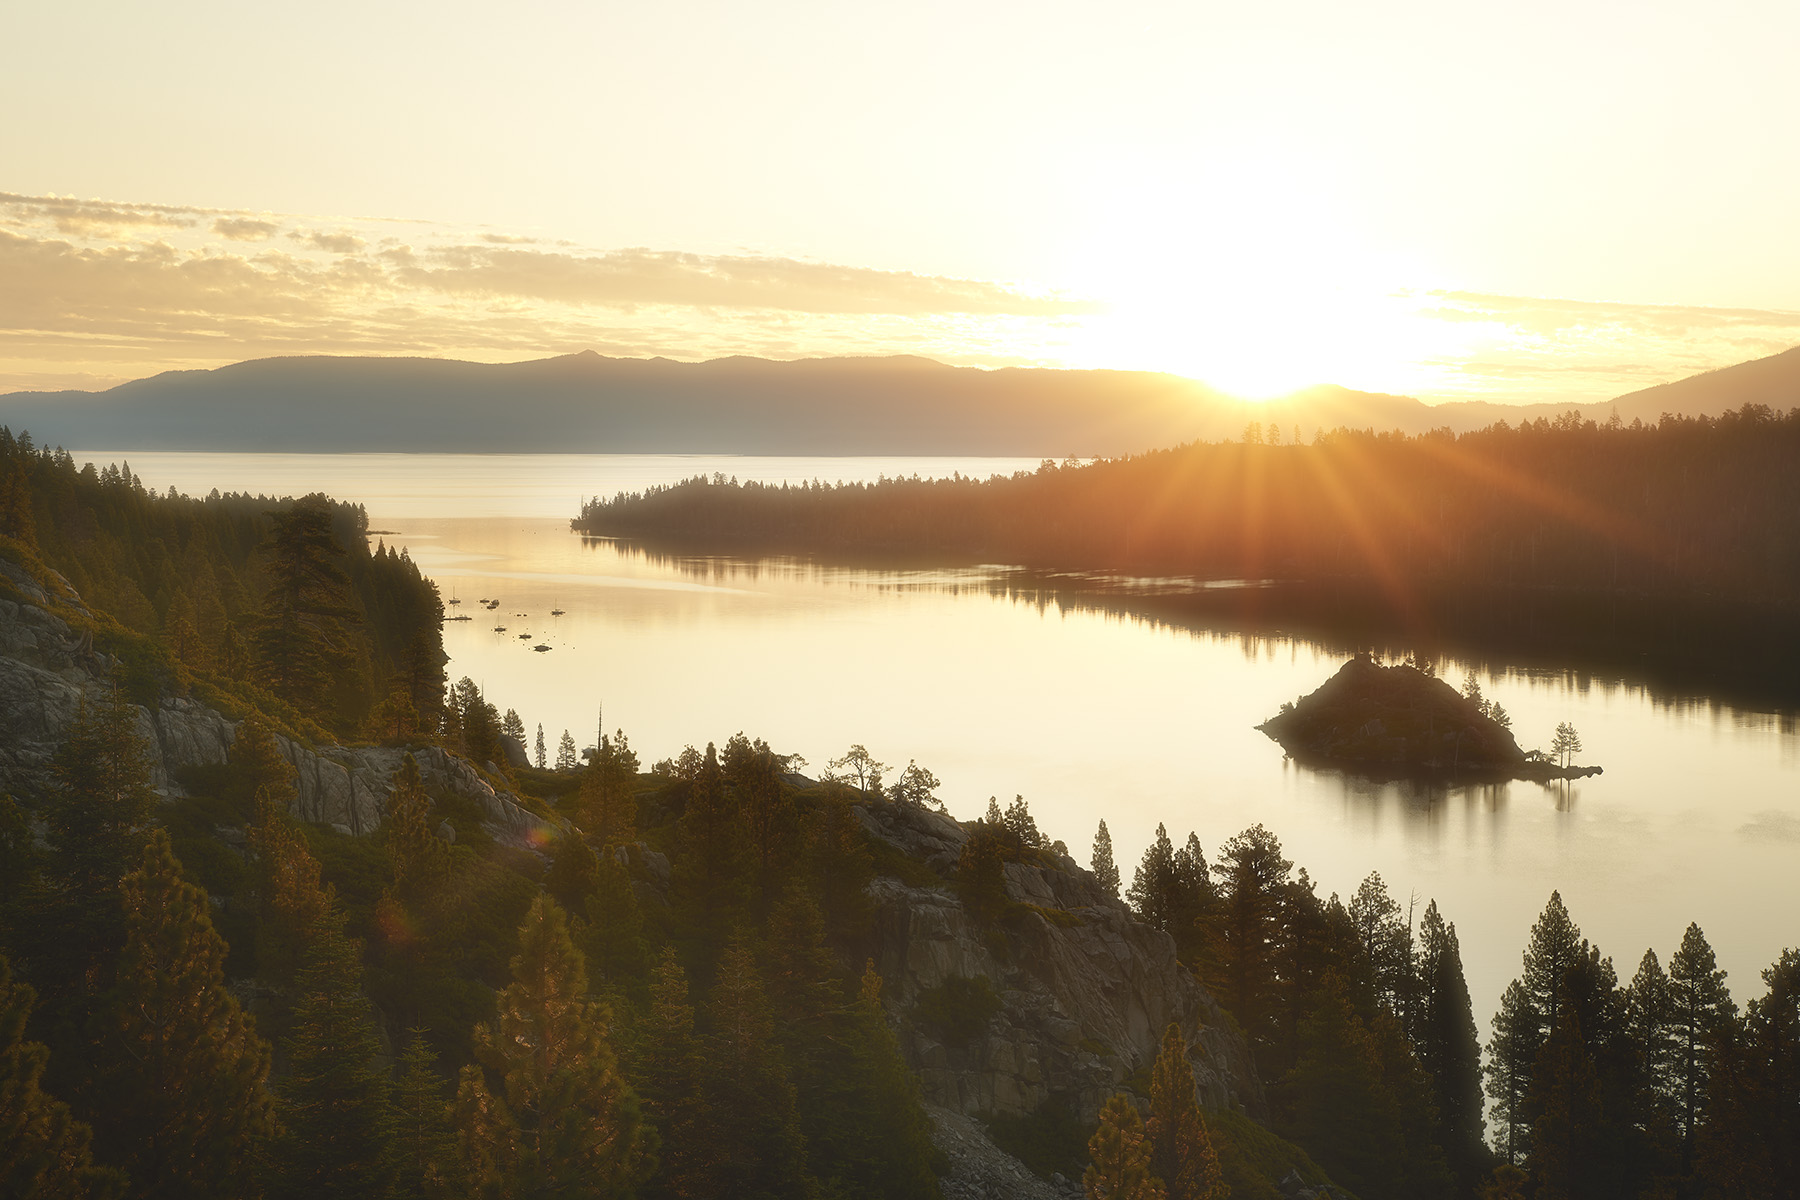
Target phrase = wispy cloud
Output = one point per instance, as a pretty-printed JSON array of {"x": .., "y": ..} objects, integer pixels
[
  {"x": 139, "y": 288},
  {"x": 98, "y": 291}
]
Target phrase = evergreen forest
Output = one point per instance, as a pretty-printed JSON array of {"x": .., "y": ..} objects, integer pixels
[
  {"x": 1670, "y": 548},
  {"x": 670, "y": 988}
]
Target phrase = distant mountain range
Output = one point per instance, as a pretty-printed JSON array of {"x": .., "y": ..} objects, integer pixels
[{"x": 900, "y": 405}]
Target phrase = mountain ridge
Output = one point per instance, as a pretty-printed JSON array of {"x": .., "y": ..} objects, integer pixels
[{"x": 892, "y": 404}]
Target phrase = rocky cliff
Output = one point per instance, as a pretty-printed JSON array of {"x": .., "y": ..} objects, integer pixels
[
  {"x": 1085, "y": 990},
  {"x": 46, "y": 666}
]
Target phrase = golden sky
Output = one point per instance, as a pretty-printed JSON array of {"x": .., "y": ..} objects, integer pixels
[{"x": 1529, "y": 201}]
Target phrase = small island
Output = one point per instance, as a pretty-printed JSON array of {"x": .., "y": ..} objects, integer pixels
[{"x": 1401, "y": 722}]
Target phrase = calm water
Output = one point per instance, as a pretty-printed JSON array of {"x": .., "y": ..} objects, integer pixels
[{"x": 1000, "y": 689}]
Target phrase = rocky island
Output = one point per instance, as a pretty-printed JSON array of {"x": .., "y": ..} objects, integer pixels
[{"x": 1399, "y": 722}]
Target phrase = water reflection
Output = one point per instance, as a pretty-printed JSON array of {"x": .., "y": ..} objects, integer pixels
[{"x": 1092, "y": 703}]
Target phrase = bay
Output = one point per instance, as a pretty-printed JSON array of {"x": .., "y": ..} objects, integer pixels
[{"x": 1002, "y": 682}]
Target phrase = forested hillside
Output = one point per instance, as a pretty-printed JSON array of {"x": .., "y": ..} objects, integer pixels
[
  {"x": 1676, "y": 544},
  {"x": 285, "y": 597},
  {"x": 668, "y": 985}
]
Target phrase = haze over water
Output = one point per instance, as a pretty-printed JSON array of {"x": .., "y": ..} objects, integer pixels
[{"x": 1002, "y": 687}]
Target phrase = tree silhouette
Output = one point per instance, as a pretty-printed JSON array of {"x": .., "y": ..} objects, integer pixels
[
  {"x": 1566, "y": 744},
  {"x": 1106, "y": 872}
]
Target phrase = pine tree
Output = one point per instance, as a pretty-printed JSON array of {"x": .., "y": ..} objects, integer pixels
[
  {"x": 566, "y": 757},
  {"x": 1253, "y": 877},
  {"x": 540, "y": 758},
  {"x": 1181, "y": 1151},
  {"x": 1649, "y": 1026},
  {"x": 44, "y": 1151},
  {"x": 302, "y": 639},
  {"x": 608, "y": 798},
  {"x": 565, "y": 1121},
  {"x": 1529, "y": 1009},
  {"x": 513, "y": 726},
  {"x": 334, "y": 1105},
  {"x": 101, "y": 802},
  {"x": 669, "y": 1065},
  {"x": 749, "y": 1097},
  {"x": 291, "y": 902},
  {"x": 1385, "y": 942},
  {"x": 417, "y": 857},
  {"x": 1106, "y": 872},
  {"x": 1567, "y": 1128},
  {"x": 1152, "y": 890},
  {"x": 886, "y": 1150},
  {"x": 424, "y": 1146},
  {"x": 1448, "y": 1048},
  {"x": 1700, "y": 1013},
  {"x": 172, "y": 1031},
  {"x": 1119, "y": 1156}
]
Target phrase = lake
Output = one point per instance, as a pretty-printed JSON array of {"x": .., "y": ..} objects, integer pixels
[{"x": 1001, "y": 685}]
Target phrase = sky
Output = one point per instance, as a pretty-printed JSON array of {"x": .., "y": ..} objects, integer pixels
[{"x": 1523, "y": 202}]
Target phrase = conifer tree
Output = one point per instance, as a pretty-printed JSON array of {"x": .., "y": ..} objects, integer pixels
[
  {"x": 566, "y": 757},
  {"x": 1119, "y": 1156},
  {"x": 540, "y": 759},
  {"x": 417, "y": 857},
  {"x": 101, "y": 802},
  {"x": 1512, "y": 1053},
  {"x": 709, "y": 871},
  {"x": 1649, "y": 1026},
  {"x": 1700, "y": 1013},
  {"x": 1448, "y": 1048},
  {"x": 993, "y": 816},
  {"x": 669, "y": 1066},
  {"x": 608, "y": 797},
  {"x": 1564, "y": 1136},
  {"x": 302, "y": 638},
  {"x": 1253, "y": 877},
  {"x": 1181, "y": 1151},
  {"x": 172, "y": 1031},
  {"x": 749, "y": 1097},
  {"x": 615, "y": 925},
  {"x": 291, "y": 900},
  {"x": 334, "y": 1106},
  {"x": 564, "y": 1122},
  {"x": 1385, "y": 943},
  {"x": 1335, "y": 1103},
  {"x": 884, "y": 1148},
  {"x": 424, "y": 1146},
  {"x": 44, "y": 1151},
  {"x": 513, "y": 726},
  {"x": 1152, "y": 889},
  {"x": 1106, "y": 871}
]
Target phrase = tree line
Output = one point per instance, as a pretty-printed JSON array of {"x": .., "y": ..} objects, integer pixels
[
  {"x": 1674, "y": 539},
  {"x": 1361, "y": 1019}
]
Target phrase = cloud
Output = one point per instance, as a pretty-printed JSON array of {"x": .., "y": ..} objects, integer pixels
[
  {"x": 70, "y": 215},
  {"x": 1772, "y": 825},
  {"x": 245, "y": 229},
  {"x": 639, "y": 276},
  {"x": 331, "y": 243}
]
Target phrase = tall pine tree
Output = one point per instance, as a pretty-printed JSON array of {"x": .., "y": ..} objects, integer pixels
[
  {"x": 171, "y": 1030},
  {"x": 564, "y": 1121}
]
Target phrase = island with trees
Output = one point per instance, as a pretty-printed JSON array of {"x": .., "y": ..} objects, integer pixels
[{"x": 1401, "y": 721}]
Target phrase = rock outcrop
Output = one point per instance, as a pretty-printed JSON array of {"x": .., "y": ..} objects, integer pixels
[
  {"x": 46, "y": 667},
  {"x": 1085, "y": 989}
]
